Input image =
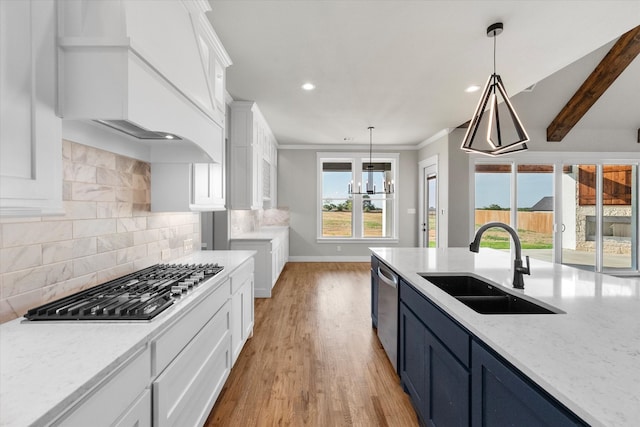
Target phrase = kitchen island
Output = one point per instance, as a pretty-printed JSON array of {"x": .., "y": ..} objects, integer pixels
[
  {"x": 586, "y": 356},
  {"x": 51, "y": 371}
]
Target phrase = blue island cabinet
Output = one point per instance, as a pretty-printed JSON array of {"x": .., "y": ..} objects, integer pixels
[
  {"x": 434, "y": 372},
  {"x": 454, "y": 379},
  {"x": 504, "y": 397}
]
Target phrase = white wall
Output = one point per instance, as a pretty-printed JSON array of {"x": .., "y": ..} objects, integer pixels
[{"x": 297, "y": 191}]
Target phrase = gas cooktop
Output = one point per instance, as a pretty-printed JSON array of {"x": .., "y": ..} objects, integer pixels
[{"x": 141, "y": 295}]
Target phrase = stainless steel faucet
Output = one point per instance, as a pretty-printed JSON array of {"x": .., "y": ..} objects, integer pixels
[{"x": 518, "y": 268}]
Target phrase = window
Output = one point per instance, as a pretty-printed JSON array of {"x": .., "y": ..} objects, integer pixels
[{"x": 351, "y": 216}]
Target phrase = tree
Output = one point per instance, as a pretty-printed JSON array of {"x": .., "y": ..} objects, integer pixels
[
  {"x": 367, "y": 204},
  {"x": 493, "y": 207}
]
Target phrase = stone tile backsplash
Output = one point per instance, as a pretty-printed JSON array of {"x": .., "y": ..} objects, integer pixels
[{"x": 108, "y": 231}]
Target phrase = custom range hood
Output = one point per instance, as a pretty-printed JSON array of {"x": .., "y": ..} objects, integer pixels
[{"x": 151, "y": 70}]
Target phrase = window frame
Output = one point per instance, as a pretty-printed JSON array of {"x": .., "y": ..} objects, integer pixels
[{"x": 356, "y": 159}]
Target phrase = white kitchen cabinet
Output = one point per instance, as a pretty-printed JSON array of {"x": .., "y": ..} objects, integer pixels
[
  {"x": 30, "y": 131},
  {"x": 272, "y": 247},
  {"x": 242, "y": 309},
  {"x": 253, "y": 155},
  {"x": 181, "y": 187},
  {"x": 118, "y": 399},
  {"x": 139, "y": 415},
  {"x": 185, "y": 392}
]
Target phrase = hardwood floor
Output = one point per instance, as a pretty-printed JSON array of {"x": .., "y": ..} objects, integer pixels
[{"x": 314, "y": 358}]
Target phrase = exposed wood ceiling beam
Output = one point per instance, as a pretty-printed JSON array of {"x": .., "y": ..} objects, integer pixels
[{"x": 612, "y": 65}]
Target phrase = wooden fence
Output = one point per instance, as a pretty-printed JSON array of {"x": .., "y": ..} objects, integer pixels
[{"x": 539, "y": 222}]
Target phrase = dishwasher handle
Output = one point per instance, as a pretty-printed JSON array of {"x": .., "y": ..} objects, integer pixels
[{"x": 387, "y": 276}]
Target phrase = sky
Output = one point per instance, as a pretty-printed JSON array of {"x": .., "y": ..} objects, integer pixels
[{"x": 494, "y": 188}]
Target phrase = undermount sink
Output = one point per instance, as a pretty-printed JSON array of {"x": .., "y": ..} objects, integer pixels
[{"x": 485, "y": 297}]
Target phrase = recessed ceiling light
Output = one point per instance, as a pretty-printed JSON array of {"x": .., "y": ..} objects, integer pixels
[
  {"x": 308, "y": 86},
  {"x": 472, "y": 88}
]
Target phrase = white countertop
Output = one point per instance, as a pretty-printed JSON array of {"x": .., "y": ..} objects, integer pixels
[
  {"x": 588, "y": 357},
  {"x": 265, "y": 233},
  {"x": 46, "y": 366}
]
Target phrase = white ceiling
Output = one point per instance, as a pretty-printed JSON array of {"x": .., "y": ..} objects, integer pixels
[{"x": 401, "y": 66}]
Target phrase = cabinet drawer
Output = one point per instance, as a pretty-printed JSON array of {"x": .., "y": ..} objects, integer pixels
[
  {"x": 456, "y": 339},
  {"x": 167, "y": 346},
  {"x": 116, "y": 393},
  {"x": 184, "y": 393},
  {"x": 240, "y": 276},
  {"x": 139, "y": 415}
]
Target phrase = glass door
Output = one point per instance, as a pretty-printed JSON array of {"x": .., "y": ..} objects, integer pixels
[
  {"x": 619, "y": 208},
  {"x": 535, "y": 210},
  {"x": 493, "y": 203},
  {"x": 579, "y": 219}
]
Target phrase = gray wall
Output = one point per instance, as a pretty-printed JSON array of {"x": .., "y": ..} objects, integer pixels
[
  {"x": 453, "y": 188},
  {"x": 297, "y": 185}
]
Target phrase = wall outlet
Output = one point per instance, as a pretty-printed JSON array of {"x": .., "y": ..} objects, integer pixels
[
  {"x": 338, "y": 248},
  {"x": 188, "y": 246},
  {"x": 165, "y": 254}
]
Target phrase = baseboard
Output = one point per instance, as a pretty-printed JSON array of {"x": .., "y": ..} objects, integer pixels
[
  {"x": 261, "y": 293},
  {"x": 329, "y": 259}
]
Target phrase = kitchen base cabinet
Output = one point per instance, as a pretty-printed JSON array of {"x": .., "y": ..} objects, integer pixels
[
  {"x": 436, "y": 381},
  {"x": 413, "y": 359},
  {"x": 139, "y": 415},
  {"x": 241, "y": 308},
  {"x": 504, "y": 397},
  {"x": 453, "y": 379},
  {"x": 272, "y": 249},
  {"x": 111, "y": 402},
  {"x": 185, "y": 392}
]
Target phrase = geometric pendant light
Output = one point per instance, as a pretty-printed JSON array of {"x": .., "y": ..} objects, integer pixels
[{"x": 496, "y": 130}]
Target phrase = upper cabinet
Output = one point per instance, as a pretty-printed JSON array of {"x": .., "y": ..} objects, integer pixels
[
  {"x": 30, "y": 131},
  {"x": 181, "y": 187},
  {"x": 254, "y": 159}
]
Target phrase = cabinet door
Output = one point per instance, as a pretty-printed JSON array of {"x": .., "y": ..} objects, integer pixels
[
  {"x": 247, "y": 309},
  {"x": 448, "y": 385},
  {"x": 186, "y": 390},
  {"x": 436, "y": 381},
  {"x": 503, "y": 397},
  {"x": 413, "y": 359},
  {"x": 30, "y": 131},
  {"x": 208, "y": 186},
  {"x": 241, "y": 317}
]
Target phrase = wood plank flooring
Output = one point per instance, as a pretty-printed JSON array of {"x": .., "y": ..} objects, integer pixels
[{"x": 314, "y": 359}]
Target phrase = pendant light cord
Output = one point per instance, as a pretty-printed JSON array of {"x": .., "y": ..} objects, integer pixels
[
  {"x": 494, "y": 52},
  {"x": 370, "y": 145}
]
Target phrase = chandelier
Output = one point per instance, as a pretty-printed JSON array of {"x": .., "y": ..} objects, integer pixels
[{"x": 370, "y": 187}]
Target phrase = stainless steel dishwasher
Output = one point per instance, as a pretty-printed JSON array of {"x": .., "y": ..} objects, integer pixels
[{"x": 388, "y": 312}]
